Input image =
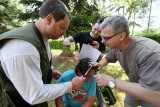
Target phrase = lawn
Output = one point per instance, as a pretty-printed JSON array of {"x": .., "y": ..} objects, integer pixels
[{"x": 67, "y": 63}]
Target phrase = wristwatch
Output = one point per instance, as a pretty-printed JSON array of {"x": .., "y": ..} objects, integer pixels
[{"x": 111, "y": 83}]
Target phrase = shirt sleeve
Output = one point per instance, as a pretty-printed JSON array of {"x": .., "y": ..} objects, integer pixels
[
  {"x": 23, "y": 69},
  {"x": 111, "y": 56},
  {"x": 149, "y": 72},
  {"x": 92, "y": 88},
  {"x": 77, "y": 37}
]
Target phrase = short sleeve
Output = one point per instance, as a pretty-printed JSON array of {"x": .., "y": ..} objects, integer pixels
[
  {"x": 149, "y": 72},
  {"x": 77, "y": 37},
  {"x": 111, "y": 56}
]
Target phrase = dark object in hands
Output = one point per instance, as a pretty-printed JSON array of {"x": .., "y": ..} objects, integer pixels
[
  {"x": 90, "y": 41},
  {"x": 108, "y": 95}
]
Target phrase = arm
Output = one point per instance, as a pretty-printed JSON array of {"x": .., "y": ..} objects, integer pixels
[
  {"x": 134, "y": 89},
  {"x": 89, "y": 102},
  {"x": 59, "y": 102},
  {"x": 101, "y": 64},
  {"x": 101, "y": 56},
  {"x": 22, "y": 67},
  {"x": 67, "y": 41}
]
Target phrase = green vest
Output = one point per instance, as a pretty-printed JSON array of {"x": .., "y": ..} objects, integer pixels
[{"x": 9, "y": 97}]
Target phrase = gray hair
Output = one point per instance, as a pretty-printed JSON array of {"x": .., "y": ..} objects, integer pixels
[
  {"x": 117, "y": 23},
  {"x": 55, "y": 7}
]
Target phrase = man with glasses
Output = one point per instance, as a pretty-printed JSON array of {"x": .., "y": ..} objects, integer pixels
[{"x": 139, "y": 57}]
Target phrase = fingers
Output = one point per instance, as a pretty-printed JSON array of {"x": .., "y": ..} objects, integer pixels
[
  {"x": 66, "y": 43},
  {"x": 56, "y": 74},
  {"x": 56, "y": 77},
  {"x": 94, "y": 64},
  {"x": 96, "y": 44}
]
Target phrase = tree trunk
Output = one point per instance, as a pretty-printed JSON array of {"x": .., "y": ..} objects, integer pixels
[
  {"x": 133, "y": 23},
  {"x": 149, "y": 17},
  {"x": 123, "y": 10},
  {"x": 66, "y": 52},
  {"x": 130, "y": 13},
  {"x": 76, "y": 46}
]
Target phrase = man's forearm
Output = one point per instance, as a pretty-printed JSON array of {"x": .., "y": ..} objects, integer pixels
[{"x": 136, "y": 90}]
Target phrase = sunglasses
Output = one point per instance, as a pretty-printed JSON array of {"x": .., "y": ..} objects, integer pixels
[{"x": 107, "y": 38}]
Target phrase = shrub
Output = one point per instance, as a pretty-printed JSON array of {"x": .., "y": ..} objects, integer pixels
[{"x": 154, "y": 36}]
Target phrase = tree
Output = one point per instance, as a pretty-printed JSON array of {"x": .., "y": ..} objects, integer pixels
[
  {"x": 131, "y": 8},
  {"x": 9, "y": 11},
  {"x": 150, "y": 9},
  {"x": 83, "y": 16}
]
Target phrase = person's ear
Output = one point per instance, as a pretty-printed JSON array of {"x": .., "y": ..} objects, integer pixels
[
  {"x": 79, "y": 74},
  {"x": 49, "y": 19},
  {"x": 122, "y": 36}
]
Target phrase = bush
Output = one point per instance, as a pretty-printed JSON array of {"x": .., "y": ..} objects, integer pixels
[
  {"x": 154, "y": 36},
  {"x": 58, "y": 44}
]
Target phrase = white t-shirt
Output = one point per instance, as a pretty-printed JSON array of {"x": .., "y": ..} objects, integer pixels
[{"x": 21, "y": 63}]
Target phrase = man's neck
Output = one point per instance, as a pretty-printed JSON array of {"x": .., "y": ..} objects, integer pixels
[
  {"x": 39, "y": 26},
  {"x": 125, "y": 43}
]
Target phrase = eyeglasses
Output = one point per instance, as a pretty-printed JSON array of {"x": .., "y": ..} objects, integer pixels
[
  {"x": 100, "y": 20},
  {"x": 107, "y": 38}
]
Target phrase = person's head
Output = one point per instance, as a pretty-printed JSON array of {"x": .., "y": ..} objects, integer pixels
[
  {"x": 82, "y": 67},
  {"x": 114, "y": 29},
  {"x": 95, "y": 33},
  {"x": 56, "y": 18}
]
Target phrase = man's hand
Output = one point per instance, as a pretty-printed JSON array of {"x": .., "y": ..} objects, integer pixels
[
  {"x": 78, "y": 82},
  {"x": 55, "y": 74},
  {"x": 66, "y": 43},
  {"x": 96, "y": 44},
  {"x": 102, "y": 79},
  {"x": 94, "y": 64}
]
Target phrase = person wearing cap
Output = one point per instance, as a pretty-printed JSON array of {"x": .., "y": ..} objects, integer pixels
[{"x": 84, "y": 96}]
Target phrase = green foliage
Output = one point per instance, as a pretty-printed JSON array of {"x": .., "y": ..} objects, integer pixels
[
  {"x": 9, "y": 11},
  {"x": 154, "y": 36},
  {"x": 32, "y": 10},
  {"x": 58, "y": 44},
  {"x": 83, "y": 14}
]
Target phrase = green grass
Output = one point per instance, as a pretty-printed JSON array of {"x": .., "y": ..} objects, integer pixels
[{"x": 67, "y": 63}]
